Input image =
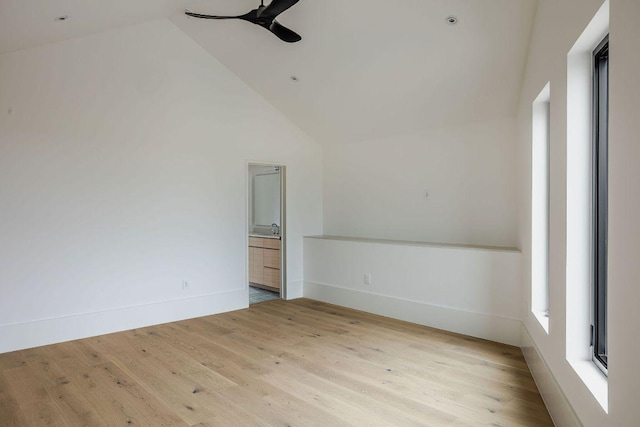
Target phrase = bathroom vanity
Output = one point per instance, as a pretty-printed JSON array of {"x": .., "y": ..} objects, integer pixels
[{"x": 264, "y": 262}]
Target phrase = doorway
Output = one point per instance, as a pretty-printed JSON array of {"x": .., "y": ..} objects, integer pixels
[{"x": 266, "y": 231}]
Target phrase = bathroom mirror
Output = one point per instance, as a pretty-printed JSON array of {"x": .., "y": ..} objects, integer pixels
[{"x": 266, "y": 199}]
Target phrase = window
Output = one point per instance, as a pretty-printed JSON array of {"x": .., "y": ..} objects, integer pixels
[
  {"x": 582, "y": 174},
  {"x": 540, "y": 207},
  {"x": 600, "y": 200}
]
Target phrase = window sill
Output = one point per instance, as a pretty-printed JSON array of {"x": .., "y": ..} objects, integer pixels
[
  {"x": 543, "y": 319},
  {"x": 594, "y": 379}
]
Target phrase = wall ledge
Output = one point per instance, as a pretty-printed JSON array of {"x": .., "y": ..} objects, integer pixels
[{"x": 415, "y": 243}]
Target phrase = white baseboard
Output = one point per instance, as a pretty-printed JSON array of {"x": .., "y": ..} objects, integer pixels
[
  {"x": 295, "y": 289},
  {"x": 480, "y": 325},
  {"x": 557, "y": 403},
  {"x": 50, "y": 331}
]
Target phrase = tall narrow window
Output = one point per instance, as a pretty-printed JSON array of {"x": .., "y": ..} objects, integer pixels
[
  {"x": 586, "y": 201},
  {"x": 540, "y": 207},
  {"x": 600, "y": 200}
]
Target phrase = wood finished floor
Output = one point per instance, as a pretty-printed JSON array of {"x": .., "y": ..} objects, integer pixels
[{"x": 295, "y": 363}]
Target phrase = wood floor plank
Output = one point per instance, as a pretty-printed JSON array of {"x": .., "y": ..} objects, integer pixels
[
  {"x": 24, "y": 386},
  {"x": 182, "y": 393},
  {"x": 354, "y": 405},
  {"x": 10, "y": 413},
  {"x": 66, "y": 395},
  {"x": 43, "y": 413},
  {"x": 293, "y": 363},
  {"x": 490, "y": 370}
]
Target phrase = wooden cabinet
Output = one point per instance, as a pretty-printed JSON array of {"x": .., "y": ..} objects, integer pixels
[
  {"x": 264, "y": 263},
  {"x": 256, "y": 257},
  {"x": 271, "y": 258}
]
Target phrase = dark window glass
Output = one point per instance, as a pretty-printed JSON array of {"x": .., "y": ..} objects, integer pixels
[{"x": 600, "y": 199}]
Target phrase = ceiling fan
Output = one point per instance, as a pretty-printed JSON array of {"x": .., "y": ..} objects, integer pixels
[{"x": 265, "y": 16}]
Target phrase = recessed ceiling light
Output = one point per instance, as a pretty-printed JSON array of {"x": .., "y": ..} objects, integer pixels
[
  {"x": 61, "y": 18},
  {"x": 451, "y": 20},
  {"x": 294, "y": 78}
]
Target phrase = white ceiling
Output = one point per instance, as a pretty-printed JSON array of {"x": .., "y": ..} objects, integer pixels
[
  {"x": 28, "y": 23},
  {"x": 367, "y": 69}
]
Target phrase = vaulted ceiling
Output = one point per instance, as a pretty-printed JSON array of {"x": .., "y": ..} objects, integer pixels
[{"x": 365, "y": 69}]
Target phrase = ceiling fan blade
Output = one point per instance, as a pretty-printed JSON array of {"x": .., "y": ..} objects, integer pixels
[
  {"x": 251, "y": 16},
  {"x": 284, "y": 33},
  {"x": 264, "y": 17},
  {"x": 276, "y": 7}
]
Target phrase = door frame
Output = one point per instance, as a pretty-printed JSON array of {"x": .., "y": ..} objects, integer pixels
[{"x": 283, "y": 223}]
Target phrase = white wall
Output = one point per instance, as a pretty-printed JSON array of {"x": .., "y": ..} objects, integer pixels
[
  {"x": 558, "y": 25},
  {"x": 123, "y": 172},
  {"x": 469, "y": 290},
  {"x": 375, "y": 188}
]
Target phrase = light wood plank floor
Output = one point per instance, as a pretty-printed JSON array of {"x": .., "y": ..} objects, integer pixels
[{"x": 295, "y": 363}]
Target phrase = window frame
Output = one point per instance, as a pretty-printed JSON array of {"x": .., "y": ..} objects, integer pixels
[{"x": 600, "y": 203}]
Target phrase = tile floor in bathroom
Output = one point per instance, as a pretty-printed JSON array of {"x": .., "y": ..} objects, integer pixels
[{"x": 257, "y": 295}]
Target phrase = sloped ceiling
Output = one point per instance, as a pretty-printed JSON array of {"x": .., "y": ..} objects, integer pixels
[{"x": 366, "y": 69}]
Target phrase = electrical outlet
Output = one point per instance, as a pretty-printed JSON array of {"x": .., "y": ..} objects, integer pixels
[
  {"x": 185, "y": 285},
  {"x": 367, "y": 278}
]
